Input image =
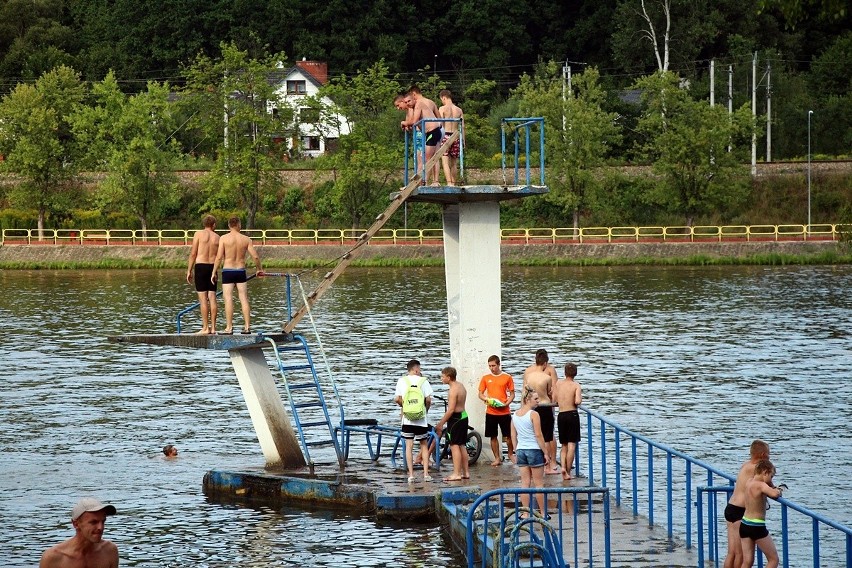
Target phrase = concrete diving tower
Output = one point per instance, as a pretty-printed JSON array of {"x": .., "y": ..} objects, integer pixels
[{"x": 471, "y": 219}]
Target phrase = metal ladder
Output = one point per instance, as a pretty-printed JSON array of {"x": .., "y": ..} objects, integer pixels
[{"x": 307, "y": 402}]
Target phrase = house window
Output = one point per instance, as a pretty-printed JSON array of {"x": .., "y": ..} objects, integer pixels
[
  {"x": 296, "y": 88},
  {"x": 310, "y": 143}
]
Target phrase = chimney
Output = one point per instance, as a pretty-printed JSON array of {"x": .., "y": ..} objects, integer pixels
[{"x": 317, "y": 69}]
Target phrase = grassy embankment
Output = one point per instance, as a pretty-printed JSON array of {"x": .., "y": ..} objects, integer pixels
[{"x": 842, "y": 255}]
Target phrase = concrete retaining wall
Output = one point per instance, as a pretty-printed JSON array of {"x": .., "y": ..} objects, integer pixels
[{"x": 511, "y": 253}]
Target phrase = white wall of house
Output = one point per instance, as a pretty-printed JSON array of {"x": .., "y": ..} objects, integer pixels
[{"x": 295, "y": 87}]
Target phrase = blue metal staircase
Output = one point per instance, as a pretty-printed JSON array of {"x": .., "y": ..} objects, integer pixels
[{"x": 307, "y": 401}]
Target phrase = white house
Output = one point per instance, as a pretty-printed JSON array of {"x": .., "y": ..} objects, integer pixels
[{"x": 318, "y": 132}]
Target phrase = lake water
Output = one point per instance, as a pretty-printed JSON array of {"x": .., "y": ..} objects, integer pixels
[{"x": 701, "y": 359}]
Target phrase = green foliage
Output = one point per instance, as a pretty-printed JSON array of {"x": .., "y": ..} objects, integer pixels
[
  {"x": 578, "y": 132},
  {"x": 795, "y": 11},
  {"x": 129, "y": 137},
  {"x": 687, "y": 141},
  {"x": 36, "y": 139},
  {"x": 247, "y": 156},
  {"x": 365, "y": 171}
]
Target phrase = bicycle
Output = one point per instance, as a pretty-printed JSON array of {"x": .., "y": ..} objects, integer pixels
[{"x": 473, "y": 445}]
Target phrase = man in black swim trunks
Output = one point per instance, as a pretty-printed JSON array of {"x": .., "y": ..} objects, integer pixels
[
  {"x": 205, "y": 243},
  {"x": 424, "y": 108},
  {"x": 568, "y": 396},
  {"x": 233, "y": 248}
]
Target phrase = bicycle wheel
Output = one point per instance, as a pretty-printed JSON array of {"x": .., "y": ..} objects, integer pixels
[
  {"x": 446, "y": 454},
  {"x": 473, "y": 446}
]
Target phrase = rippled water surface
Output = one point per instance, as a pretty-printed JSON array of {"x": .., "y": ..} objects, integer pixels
[{"x": 702, "y": 359}]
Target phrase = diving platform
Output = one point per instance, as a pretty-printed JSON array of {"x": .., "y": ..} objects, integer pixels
[
  {"x": 206, "y": 341},
  {"x": 451, "y": 194}
]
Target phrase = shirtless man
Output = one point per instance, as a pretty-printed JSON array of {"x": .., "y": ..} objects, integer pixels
[
  {"x": 87, "y": 547},
  {"x": 451, "y": 158},
  {"x": 424, "y": 108},
  {"x": 233, "y": 248},
  {"x": 456, "y": 420},
  {"x": 204, "y": 246},
  {"x": 753, "y": 525},
  {"x": 735, "y": 509},
  {"x": 568, "y": 395},
  {"x": 541, "y": 377}
]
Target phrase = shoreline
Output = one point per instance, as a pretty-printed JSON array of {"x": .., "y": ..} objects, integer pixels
[{"x": 72, "y": 257}]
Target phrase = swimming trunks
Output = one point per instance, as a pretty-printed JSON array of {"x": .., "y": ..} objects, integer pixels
[
  {"x": 233, "y": 275},
  {"x": 568, "y": 423},
  {"x": 492, "y": 421},
  {"x": 417, "y": 433},
  {"x": 455, "y": 149},
  {"x": 433, "y": 137},
  {"x": 457, "y": 427},
  {"x": 754, "y": 529},
  {"x": 203, "y": 272},
  {"x": 545, "y": 413},
  {"x": 734, "y": 513}
]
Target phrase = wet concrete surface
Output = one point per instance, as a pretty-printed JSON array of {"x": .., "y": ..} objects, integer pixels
[{"x": 363, "y": 485}]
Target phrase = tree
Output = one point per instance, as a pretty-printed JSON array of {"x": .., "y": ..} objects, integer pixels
[
  {"x": 37, "y": 141},
  {"x": 579, "y": 133},
  {"x": 235, "y": 97},
  {"x": 33, "y": 39},
  {"x": 370, "y": 156},
  {"x": 131, "y": 137},
  {"x": 687, "y": 141},
  {"x": 794, "y": 11}
]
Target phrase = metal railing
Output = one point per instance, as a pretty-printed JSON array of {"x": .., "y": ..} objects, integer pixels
[
  {"x": 654, "y": 479},
  {"x": 795, "y": 546},
  {"x": 573, "y": 531},
  {"x": 530, "y": 236}
]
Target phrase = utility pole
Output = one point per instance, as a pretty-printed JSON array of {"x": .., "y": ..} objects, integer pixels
[
  {"x": 712, "y": 82},
  {"x": 754, "y": 115},
  {"x": 730, "y": 95},
  {"x": 566, "y": 73},
  {"x": 768, "y": 112}
]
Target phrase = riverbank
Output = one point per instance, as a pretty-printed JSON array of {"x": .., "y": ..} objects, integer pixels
[{"x": 57, "y": 257}]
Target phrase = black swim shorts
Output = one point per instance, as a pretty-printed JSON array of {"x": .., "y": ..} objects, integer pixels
[
  {"x": 457, "y": 427},
  {"x": 545, "y": 413},
  {"x": 492, "y": 421},
  {"x": 568, "y": 423},
  {"x": 233, "y": 275},
  {"x": 433, "y": 137},
  {"x": 734, "y": 513},
  {"x": 753, "y": 531},
  {"x": 203, "y": 272}
]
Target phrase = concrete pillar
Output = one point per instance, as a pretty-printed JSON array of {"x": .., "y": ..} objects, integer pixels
[
  {"x": 276, "y": 436},
  {"x": 472, "y": 270}
]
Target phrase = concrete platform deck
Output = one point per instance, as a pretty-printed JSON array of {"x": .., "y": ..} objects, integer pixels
[
  {"x": 198, "y": 341},
  {"x": 449, "y": 194},
  {"x": 364, "y": 486}
]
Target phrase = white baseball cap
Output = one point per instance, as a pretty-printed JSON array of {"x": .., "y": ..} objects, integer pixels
[{"x": 90, "y": 505}]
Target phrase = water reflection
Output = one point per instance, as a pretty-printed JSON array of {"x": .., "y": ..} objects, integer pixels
[{"x": 703, "y": 359}]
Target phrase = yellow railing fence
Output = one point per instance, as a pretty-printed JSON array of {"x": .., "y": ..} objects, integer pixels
[{"x": 518, "y": 235}]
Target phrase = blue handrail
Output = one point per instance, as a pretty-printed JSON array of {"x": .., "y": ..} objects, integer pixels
[
  {"x": 679, "y": 492},
  {"x": 490, "y": 511}
]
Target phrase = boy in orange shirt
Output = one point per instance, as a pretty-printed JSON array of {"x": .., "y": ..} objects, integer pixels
[{"x": 497, "y": 391}]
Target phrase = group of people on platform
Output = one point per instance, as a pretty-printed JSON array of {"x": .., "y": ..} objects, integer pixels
[
  {"x": 209, "y": 252},
  {"x": 440, "y": 124},
  {"x": 529, "y": 432}
]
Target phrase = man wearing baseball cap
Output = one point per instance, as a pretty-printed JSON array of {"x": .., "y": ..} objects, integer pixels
[{"x": 87, "y": 547}]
